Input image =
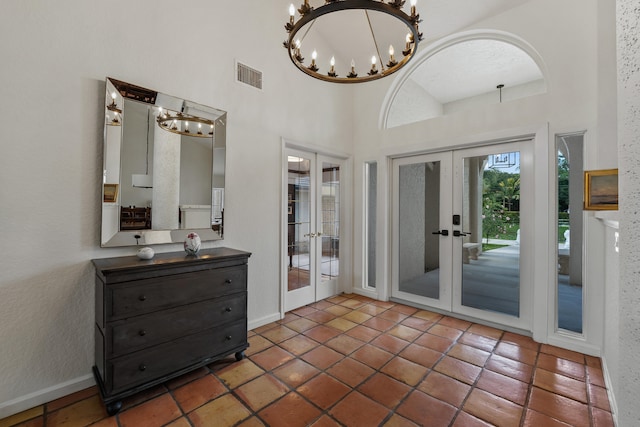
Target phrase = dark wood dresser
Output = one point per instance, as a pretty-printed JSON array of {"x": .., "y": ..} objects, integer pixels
[{"x": 160, "y": 318}]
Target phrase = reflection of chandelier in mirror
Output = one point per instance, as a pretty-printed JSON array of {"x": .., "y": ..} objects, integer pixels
[
  {"x": 185, "y": 124},
  {"x": 309, "y": 17},
  {"x": 113, "y": 119}
]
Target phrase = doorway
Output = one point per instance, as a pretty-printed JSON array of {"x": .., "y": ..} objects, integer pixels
[
  {"x": 312, "y": 261},
  {"x": 457, "y": 245}
]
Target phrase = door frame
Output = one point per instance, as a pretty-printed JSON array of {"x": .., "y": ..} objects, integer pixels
[
  {"x": 298, "y": 297},
  {"x": 444, "y": 302},
  {"x": 346, "y": 209},
  {"x": 543, "y": 261},
  {"x": 523, "y": 321}
]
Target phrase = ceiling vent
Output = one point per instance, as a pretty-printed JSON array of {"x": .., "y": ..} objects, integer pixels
[{"x": 248, "y": 75}]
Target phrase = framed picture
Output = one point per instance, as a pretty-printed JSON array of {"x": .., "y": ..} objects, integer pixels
[
  {"x": 110, "y": 193},
  {"x": 601, "y": 190}
]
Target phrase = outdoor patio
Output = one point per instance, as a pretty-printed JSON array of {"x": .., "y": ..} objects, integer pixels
[{"x": 492, "y": 283}]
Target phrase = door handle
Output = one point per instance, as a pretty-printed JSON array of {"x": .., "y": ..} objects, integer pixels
[
  {"x": 458, "y": 233},
  {"x": 442, "y": 232},
  {"x": 310, "y": 235}
]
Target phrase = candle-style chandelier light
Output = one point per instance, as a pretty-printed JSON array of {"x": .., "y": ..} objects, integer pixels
[
  {"x": 114, "y": 113},
  {"x": 380, "y": 67},
  {"x": 184, "y": 124}
]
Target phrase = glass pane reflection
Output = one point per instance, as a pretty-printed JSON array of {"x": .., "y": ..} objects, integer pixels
[
  {"x": 491, "y": 222},
  {"x": 419, "y": 207},
  {"x": 330, "y": 221},
  {"x": 298, "y": 220}
]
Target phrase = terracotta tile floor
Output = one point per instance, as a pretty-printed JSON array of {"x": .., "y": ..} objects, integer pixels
[{"x": 353, "y": 361}]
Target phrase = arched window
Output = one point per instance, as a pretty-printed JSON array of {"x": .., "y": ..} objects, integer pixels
[{"x": 464, "y": 72}]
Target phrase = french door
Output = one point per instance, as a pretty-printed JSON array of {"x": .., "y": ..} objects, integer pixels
[
  {"x": 457, "y": 242},
  {"x": 312, "y": 218}
]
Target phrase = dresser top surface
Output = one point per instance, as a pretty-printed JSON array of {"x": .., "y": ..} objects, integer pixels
[{"x": 167, "y": 259}]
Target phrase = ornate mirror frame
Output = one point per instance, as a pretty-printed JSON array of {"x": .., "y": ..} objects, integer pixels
[{"x": 163, "y": 168}]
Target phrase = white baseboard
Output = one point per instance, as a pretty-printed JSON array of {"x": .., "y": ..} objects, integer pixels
[
  {"x": 57, "y": 391},
  {"x": 43, "y": 396},
  {"x": 610, "y": 393},
  {"x": 366, "y": 293},
  {"x": 256, "y": 323}
]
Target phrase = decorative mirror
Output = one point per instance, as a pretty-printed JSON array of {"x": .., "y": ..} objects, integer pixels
[{"x": 164, "y": 168}]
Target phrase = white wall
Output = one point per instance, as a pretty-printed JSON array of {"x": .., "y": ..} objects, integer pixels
[
  {"x": 56, "y": 56},
  {"x": 196, "y": 172},
  {"x": 569, "y": 41},
  {"x": 628, "y": 60},
  {"x": 611, "y": 344}
]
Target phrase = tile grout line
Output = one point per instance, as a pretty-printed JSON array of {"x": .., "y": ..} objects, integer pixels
[
  {"x": 530, "y": 387},
  {"x": 397, "y": 354},
  {"x": 504, "y": 337},
  {"x": 344, "y": 356}
]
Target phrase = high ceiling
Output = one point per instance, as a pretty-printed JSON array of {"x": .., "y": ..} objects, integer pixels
[{"x": 473, "y": 68}]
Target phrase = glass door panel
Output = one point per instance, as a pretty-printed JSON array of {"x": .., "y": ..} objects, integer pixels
[
  {"x": 313, "y": 220},
  {"x": 492, "y": 196},
  {"x": 456, "y": 232},
  {"x": 371, "y": 205},
  {"x": 422, "y": 207},
  {"x": 329, "y": 229},
  {"x": 490, "y": 226},
  {"x": 300, "y": 250},
  {"x": 570, "y": 191}
]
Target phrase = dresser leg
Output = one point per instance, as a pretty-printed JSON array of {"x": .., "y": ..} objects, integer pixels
[
  {"x": 240, "y": 355},
  {"x": 114, "y": 407}
]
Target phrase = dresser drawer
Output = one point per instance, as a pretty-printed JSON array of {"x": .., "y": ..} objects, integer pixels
[
  {"x": 162, "y": 360},
  {"x": 148, "y": 295},
  {"x": 147, "y": 330}
]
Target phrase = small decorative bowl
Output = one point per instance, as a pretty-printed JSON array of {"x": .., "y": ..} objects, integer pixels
[
  {"x": 192, "y": 244},
  {"x": 145, "y": 253}
]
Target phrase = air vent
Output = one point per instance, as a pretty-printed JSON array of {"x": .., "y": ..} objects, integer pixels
[{"x": 248, "y": 75}]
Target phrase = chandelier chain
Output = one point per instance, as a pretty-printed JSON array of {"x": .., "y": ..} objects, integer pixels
[{"x": 307, "y": 31}]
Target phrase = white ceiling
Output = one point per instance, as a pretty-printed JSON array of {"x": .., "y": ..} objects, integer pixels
[
  {"x": 474, "y": 67},
  {"x": 442, "y": 17},
  {"x": 465, "y": 70}
]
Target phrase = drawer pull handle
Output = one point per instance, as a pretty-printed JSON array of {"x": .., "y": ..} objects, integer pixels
[
  {"x": 228, "y": 337},
  {"x": 142, "y": 333},
  {"x": 228, "y": 281},
  {"x": 142, "y": 297},
  {"x": 142, "y": 367},
  {"x": 228, "y": 309}
]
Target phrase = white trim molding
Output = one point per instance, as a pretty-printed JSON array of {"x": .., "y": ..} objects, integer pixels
[
  {"x": 43, "y": 396},
  {"x": 439, "y": 45}
]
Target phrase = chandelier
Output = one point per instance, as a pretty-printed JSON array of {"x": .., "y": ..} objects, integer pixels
[
  {"x": 184, "y": 124},
  {"x": 113, "y": 118},
  {"x": 177, "y": 119},
  {"x": 380, "y": 67}
]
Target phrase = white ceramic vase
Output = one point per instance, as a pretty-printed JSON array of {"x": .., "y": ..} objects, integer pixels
[{"x": 145, "y": 253}]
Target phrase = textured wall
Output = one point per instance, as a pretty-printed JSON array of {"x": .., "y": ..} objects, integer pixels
[
  {"x": 56, "y": 57},
  {"x": 628, "y": 17}
]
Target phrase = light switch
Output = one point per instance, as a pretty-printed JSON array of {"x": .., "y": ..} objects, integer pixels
[{"x": 617, "y": 235}]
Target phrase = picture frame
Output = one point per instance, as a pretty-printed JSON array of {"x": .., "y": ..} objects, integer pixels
[
  {"x": 601, "y": 190},
  {"x": 110, "y": 193}
]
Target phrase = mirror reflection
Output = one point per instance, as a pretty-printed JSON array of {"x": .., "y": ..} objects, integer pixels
[{"x": 164, "y": 161}]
